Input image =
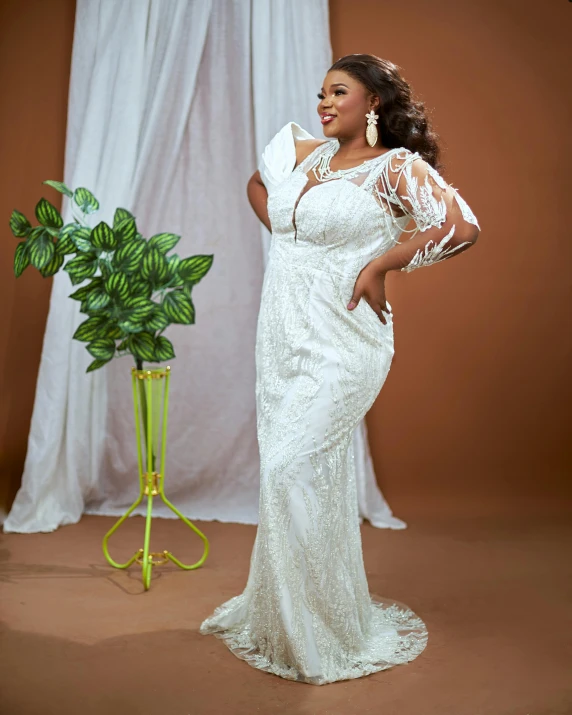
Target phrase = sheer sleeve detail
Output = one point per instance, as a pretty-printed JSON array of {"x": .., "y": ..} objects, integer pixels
[
  {"x": 279, "y": 156},
  {"x": 407, "y": 187}
]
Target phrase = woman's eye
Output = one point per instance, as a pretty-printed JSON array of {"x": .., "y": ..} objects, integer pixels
[{"x": 337, "y": 91}]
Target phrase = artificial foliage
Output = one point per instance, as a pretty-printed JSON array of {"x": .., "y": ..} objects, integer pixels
[{"x": 129, "y": 287}]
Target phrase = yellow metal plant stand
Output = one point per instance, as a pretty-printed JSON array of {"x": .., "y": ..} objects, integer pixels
[{"x": 150, "y": 403}]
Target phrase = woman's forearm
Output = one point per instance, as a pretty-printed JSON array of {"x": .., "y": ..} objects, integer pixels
[
  {"x": 426, "y": 248},
  {"x": 258, "y": 198}
]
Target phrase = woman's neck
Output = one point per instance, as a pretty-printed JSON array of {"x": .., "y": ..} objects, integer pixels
[{"x": 357, "y": 149}]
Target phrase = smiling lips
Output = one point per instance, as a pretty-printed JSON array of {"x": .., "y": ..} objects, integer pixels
[{"x": 326, "y": 118}]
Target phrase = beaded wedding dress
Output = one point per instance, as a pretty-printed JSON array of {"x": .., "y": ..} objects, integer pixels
[{"x": 306, "y": 612}]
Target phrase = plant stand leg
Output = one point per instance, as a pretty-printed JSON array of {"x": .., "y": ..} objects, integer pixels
[
  {"x": 151, "y": 482},
  {"x": 169, "y": 555},
  {"x": 112, "y": 531},
  {"x": 147, "y": 563}
]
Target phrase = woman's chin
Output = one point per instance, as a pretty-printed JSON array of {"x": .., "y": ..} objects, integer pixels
[{"x": 328, "y": 130}]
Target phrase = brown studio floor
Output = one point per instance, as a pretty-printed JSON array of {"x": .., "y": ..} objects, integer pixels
[{"x": 81, "y": 638}]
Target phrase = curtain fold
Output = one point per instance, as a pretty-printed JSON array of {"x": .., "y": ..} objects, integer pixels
[{"x": 170, "y": 105}]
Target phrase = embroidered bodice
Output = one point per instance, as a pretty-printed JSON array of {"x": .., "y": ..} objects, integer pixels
[{"x": 343, "y": 223}]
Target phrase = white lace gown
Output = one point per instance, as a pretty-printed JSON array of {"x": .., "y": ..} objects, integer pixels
[{"x": 306, "y": 612}]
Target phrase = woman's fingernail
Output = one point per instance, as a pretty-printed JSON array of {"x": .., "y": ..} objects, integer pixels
[{"x": 351, "y": 304}]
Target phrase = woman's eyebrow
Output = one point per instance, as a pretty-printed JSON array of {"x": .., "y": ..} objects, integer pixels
[{"x": 337, "y": 84}]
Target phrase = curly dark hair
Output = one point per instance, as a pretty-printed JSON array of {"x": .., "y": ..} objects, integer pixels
[{"x": 403, "y": 119}]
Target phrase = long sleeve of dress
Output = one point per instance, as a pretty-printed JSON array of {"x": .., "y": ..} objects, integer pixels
[{"x": 444, "y": 223}]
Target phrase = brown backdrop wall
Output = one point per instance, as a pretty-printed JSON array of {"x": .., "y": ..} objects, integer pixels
[
  {"x": 35, "y": 56},
  {"x": 476, "y": 405},
  {"x": 475, "y": 412}
]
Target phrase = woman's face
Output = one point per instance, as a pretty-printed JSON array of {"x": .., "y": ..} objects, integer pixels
[{"x": 344, "y": 102}]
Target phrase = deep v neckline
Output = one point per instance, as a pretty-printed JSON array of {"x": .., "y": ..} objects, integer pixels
[
  {"x": 309, "y": 164},
  {"x": 305, "y": 190}
]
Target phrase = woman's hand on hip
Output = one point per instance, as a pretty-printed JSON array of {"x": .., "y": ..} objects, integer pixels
[{"x": 370, "y": 285}]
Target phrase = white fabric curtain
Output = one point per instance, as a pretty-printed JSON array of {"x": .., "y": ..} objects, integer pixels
[{"x": 170, "y": 106}]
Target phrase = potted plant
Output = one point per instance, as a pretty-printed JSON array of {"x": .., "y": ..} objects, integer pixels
[{"x": 131, "y": 290}]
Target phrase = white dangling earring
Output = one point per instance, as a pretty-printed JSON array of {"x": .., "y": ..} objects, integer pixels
[{"x": 371, "y": 131}]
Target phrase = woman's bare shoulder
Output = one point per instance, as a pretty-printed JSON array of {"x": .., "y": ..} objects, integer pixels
[{"x": 304, "y": 147}]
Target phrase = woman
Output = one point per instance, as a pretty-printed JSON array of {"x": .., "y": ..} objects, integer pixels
[{"x": 336, "y": 209}]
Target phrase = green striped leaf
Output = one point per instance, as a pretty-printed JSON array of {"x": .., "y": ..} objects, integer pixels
[
  {"x": 81, "y": 267},
  {"x": 59, "y": 186},
  {"x": 173, "y": 263},
  {"x": 125, "y": 230},
  {"x": 142, "y": 345},
  {"x": 129, "y": 255},
  {"x": 117, "y": 285},
  {"x": 19, "y": 224},
  {"x": 41, "y": 247},
  {"x": 112, "y": 330},
  {"x": 97, "y": 300},
  {"x": 53, "y": 266},
  {"x": 138, "y": 307},
  {"x": 89, "y": 330},
  {"x": 21, "y": 259},
  {"x": 81, "y": 293},
  {"x": 102, "y": 348},
  {"x": 65, "y": 246},
  {"x": 69, "y": 228},
  {"x": 120, "y": 216},
  {"x": 179, "y": 307},
  {"x": 140, "y": 288},
  {"x": 48, "y": 215},
  {"x": 85, "y": 200},
  {"x": 101, "y": 328},
  {"x": 192, "y": 269},
  {"x": 154, "y": 266},
  {"x": 163, "y": 349},
  {"x": 96, "y": 364},
  {"x": 164, "y": 242},
  {"x": 157, "y": 320},
  {"x": 81, "y": 236},
  {"x": 131, "y": 326},
  {"x": 103, "y": 237}
]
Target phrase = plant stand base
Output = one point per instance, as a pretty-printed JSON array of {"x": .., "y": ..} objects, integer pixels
[{"x": 153, "y": 487}]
